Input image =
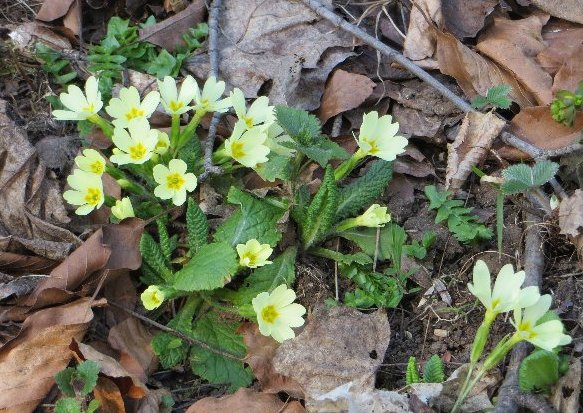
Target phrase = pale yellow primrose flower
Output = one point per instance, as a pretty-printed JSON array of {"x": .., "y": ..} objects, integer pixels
[
  {"x": 123, "y": 209},
  {"x": 210, "y": 99},
  {"x": 506, "y": 294},
  {"x": 276, "y": 138},
  {"x": 259, "y": 112},
  {"x": 378, "y": 137},
  {"x": 91, "y": 161},
  {"x": 253, "y": 254},
  {"x": 247, "y": 147},
  {"x": 87, "y": 191},
  {"x": 547, "y": 335},
  {"x": 375, "y": 216},
  {"x": 174, "y": 181},
  {"x": 175, "y": 103},
  {"x": 81, "y": 106},
  {"x": 277, "y": 314},
  {"x": 128, "y": 106},
  {"x": 152, "y": 297},
  {"x": 163, "y": 143},
  {"x": 137, "y": 145}
]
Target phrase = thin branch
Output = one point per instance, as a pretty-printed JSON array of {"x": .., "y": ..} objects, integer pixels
[
  {"x": 507, "y": 137},
  {"x": 177, "y": 333}
]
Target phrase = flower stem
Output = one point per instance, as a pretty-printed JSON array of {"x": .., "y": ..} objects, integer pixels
[
  {"x": 105, "y": 126},
  {"x": 175, "y": 131},
  {"x": 188, "y": 132},
  {"x": 348, "y": 165},
  {"x": 347, "y": 224}
]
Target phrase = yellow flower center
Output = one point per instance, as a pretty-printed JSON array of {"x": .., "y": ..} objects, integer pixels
[
  {"x": 269, "y": 314},
  {"x": 374, "y": 149},
  {"x": 495, "y": 303},
  {"x": 155, "y": 298},
  {"x": 161, "y": 144},
  {"x": 237, "y": 150},
  {"x": 138, "y": 151},
  {"x": 97, "y": 167},
  {"x": 205, "y": 103},
  {"x": 174, "y": 105},
  {"x": 250, "y": 258},
  {"x": 93, "y": 196},
  {"x": 175, "y": 181},
  {"x": 134, "y": 113},
  {"x": 89, "y": 108},
  {"x": 249, "y": 122}
]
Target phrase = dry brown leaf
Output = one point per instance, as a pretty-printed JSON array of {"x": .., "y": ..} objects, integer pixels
[
  {"x": 168, "y": 33},
  {"x": 73, "y": 20},
  {"x": 571, "y": 73},
  {"x": 260, "y": 353},
  {"x": 466, "y": 18},
  {"x": 18, "y": 286},
  {"x": 280, "y": 43},
  {"x": 325, "y": 356},
  {"x": 53, "y": 9},
  {"x": 352, "y": 399},
  {"x": 26, "y": 36},
  {"x": 245, "y": 401},
  {"x": 119, "y": 289},
  {"x": 132, "y": 340},
  {"x": 343, "y": 92},
  {"x": 413, "y": 163},
  {"x": 41, "y": 349},
  {"x": 535, "y": 125},
  {"x": 474, "y": 73},
  {"x": 152, "y": 402},
  {"x": 19, "y": 264},
  {"x": 109, "y": 396},
  {"x": 175, "y": 5},
  {"x": 570, "y": 10},
  {"x": 571, "y": 219},
  {"x": 123, "y": 239},
  {"x": 32, "y": 204},
  {"x": 567, "y": 391},
  {"x": 127, "y": 383},
  {"x": 471, "y": 145},
  {"x": 514, "y": 45},
  {"x": 561, "y": 44},
  {"x": 420, "y": 40}
]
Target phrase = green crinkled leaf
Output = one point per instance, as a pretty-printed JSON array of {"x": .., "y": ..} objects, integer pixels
[
  {"x": 322, "y": 151},
  {"x": 364, "y": 190},
  {"x": 154, "y": 257},
  {"x": 433, "y": 371},
  {"x": 346, "y": 259},
  {"x": 412, "y": 375},
  {"x": 281, "y": 271},
  {"x": 277, "y": 167},
  {"x": 88, "y": 371},
  {"x": 436, "y": 198},
  {"x": 93, "y": 406},
  {"x": 210, "y": 268},
  {"x": 68, "y": 405},
  {"x": 299, "y": 124},
  {"x": 319, "y": 215},
  {"x": 521, "y": 177},
  {"x": 496, "y": 96},
  {"x": 220, "y": 335},
  {"x": 165, "y": 244},
  {"x": 374, "y": 289},
  {"x": 256, "y": 219},
  {"x": 538, "y": 371},
  {"x": 163, "y": 65},
  {"x": 391, "y": 240},
  {"x": 197, "y": 227},
  {"x": 64, "y": 379}
]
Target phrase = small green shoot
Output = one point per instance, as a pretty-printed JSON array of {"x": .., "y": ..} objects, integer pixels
[
  {"x": 496, "y": 96},
  {"x": 433, "y": 372},
  {"x": 566, "y": 104},
  {"x": 76, "y": 383}
]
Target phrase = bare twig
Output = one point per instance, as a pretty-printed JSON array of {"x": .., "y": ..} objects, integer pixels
[
  {"x": 507, "y": 137},
  {"x": 509, "y": 395},
  {"x": 209, "y": 143},
  {"x": 176, "y": 333}
]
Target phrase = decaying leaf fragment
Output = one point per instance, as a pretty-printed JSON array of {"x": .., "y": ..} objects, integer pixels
[
  {"x": 419, "y": 44},
  {"x": 565, "y": 9},
  {"x": 245, "y": 401},
  {"x": 338, "y": 346},
  {"x": 565, "y": 397},
  {"x": 471, "y": 145},
  {"x": 571, "y": 219}
]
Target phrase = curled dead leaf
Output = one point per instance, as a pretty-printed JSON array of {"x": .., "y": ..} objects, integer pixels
[
  {"x": 570, "y": 10},
  {"x": 471, "y": 145},
  {"x": 245, "y": 401},
  {"x": 567, "y": 391},
  {"x": 466, "y": 18},
  {"x": 109, "y": 396},
  {"x": 29, "y": 361},
  {"x": 571, "y": 219},
  {"x": 420, "y": 40},
  {"x": 53, "y": 9}
]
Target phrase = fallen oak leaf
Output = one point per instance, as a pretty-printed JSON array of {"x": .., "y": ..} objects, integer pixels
[
  {"x": 20, "y": 264},
  {"x": 108, "y": 395},
  {"x": 29, "y": 361},
  {"x": 54, "y": 9},
  {"x": 471, "y": 145},
  {"x": 245, "y": 401},
  {"x": 260, "y": 353},
  {"x": 561, "y": 43},
  {"x": 466, "y": 19},
  {"x": 420, "y": 40}
]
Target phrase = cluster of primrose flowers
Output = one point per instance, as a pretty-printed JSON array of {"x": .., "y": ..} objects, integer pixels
[
  {"x": 530, "y": 320},
  {"x": 143, "y": 155}
]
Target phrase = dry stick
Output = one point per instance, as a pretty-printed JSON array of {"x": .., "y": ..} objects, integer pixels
[
  {"x": 176, "y": 333},
  {"x": 209, "y": 143},
  {"x": 508, "y": 138},
  {"x": 510, "y": 397}
]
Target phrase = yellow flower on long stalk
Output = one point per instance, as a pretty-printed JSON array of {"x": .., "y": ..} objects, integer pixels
[
  {"x": 87, "y": 192},
  {"x": 277, "y": 313},
  {"x": 173, "y": 102},
  {"x": 258, "y": 113},
  {"x": 123, "y": 209},
  {"x": 136, "y": 146},
  {"x": 210, "y": 98},
  {"x": 91, "y": 161},
  {"x": 173, "y": 181},
  {"x": 81, "y": 105},
  {"x": 128, "y": 106},
  {"x": 252, "y": 254}
]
